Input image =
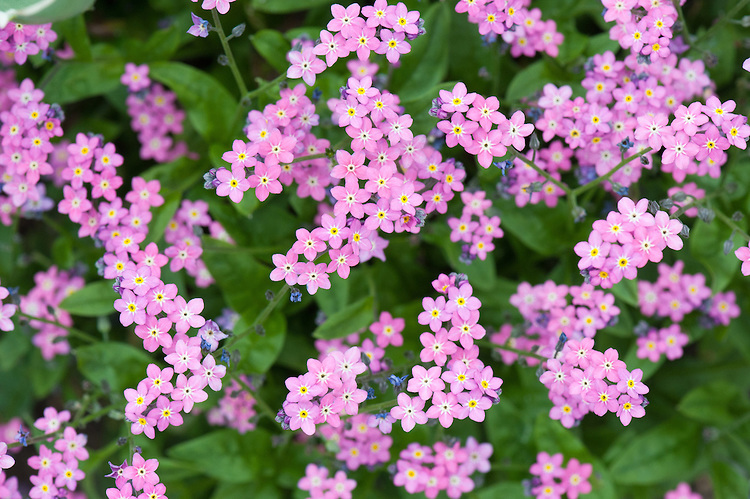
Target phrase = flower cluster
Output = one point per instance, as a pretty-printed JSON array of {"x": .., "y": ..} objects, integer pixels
[
  {"x": 277, "y": 137},
  {"x": 668, "y": 341},
  {"x": 360, "y": 442},
  {"x": 443, "y": 467},
  {"x": 154, "y": 116},
  {"x": 182, "y": 234},
  {"x": 19, "y": 41},
  {"x": 6, "y": 311},
  {"x": 317, "y": 483},
  {"x": 548, "y": 315},
  {"x": 42, "y": 301},
  {"x": 586, "y": 380},
  {"x": 328, "y": 390},
  {"x": 521, "y": 28},
  {"x": 627, "y": 240},
  {"x": 139, "y": 475},
  {"x": 459, "y": 385},
  {"x": 472, "y": 128},
  {"x": 236, "y": 409},
  {"x": 381, "y": 28},
  {"x": 27, "y": 128},
  {"x": 476, "y": 234},
  {"x": 57, "y": 470},
  {"x": 552, "y": 479},
  {"x": 647, "y": 35},
  {"x": 674, "y": 294},
  {"x": 390, "y": 199}
]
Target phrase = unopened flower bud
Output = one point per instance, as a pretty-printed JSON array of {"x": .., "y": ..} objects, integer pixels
[
  {"x": 534, "y": 142},
  {"x": 269, "y": 295},
  {"x": 222, "y": 60},
  {"x": 679, "y": 196},
  {"x": 238, "y": 30},
  {"x": 667, "y": 203},
  {"x": 710, "y": 59},
  {"x": 579, "y": 214},
  {"x": 685, "y": 231},
  {"x": 729, "y": 244},
  {"x": 706, "y": 214},
  {"x": 745, "y": 21},
  {"x": 653, "y": 207},
  {"x": 737, "y": 216},
  {"x": 260, "y": 330}
]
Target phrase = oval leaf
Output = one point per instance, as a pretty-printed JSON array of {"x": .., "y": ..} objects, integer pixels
[
  {"x": 93, "y": 300},
  {"x": 347, "y": 320}
]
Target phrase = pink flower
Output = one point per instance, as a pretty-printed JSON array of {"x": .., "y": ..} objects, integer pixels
[
  {"x": 135, "y": 77},
  {"x": 185, "y": 356},
  {"x": 285, "y": 267},
  {"x": 743, "y": 255},
  {"x": 409, "y": 411},
  {"x": 312, "y": 276},
  {"x": 458, "y": 100},
  {"x": 436, "y": 347},
  {"x": 6, "y": 461},
  {"x": 132, "y": 308},
  {"x": 142, "y": 472},
  {"x": 167, "y": 412},
  {"x": 514, "y": 130},
  {"x": 425, "y": 382},
  {"x": 187, "y": 315},
  {"x": 222, "y": 6},
  {"x": 233, "y": 183},
  {"x": 189, "y": 391},
  {"x": 303, "y": 416},
  {"x": 393, "y": 45},
  {"x": 475, "y": 403},
  {"x": 486, "y": 146},
  {"x": 333, "y": 46},
  {"x": 305, "y": 65}
]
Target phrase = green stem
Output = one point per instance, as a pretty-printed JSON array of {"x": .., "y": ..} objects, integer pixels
[
  {"x": 585, "y": 187},
  {"x": 681, "y": 15},
  {"x": 525, "y": 353},
  {"x": 308, "y": 158},
  {"x": 379, "y": 407},
  {"x": 76, "y": 333},
  {"x": 731, "y": 223},
  {"x": 264, "y": 407},
  {"x": 540, "y": 171},
  {"x": 228, "y": 52},
  {"x": 263, "y": 315},
  {"x": 265, "y": 86},
  {"x": 75, "y": 424},
  {"x": 709, "y": 32}
]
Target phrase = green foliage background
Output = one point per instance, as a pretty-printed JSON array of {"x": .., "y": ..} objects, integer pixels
[{"x": 697, "y": 426}]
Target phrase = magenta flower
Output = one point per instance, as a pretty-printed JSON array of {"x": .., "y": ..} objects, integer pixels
[
  {"x": 189, "y": 391},
  {"x": 486, "y": 146},
  {"x": 437, "y": 347},
  {"x": 186, "y": 315},
  {"x": 135, "y": 77},
  {"x": 445, "y": 408},
  {"x": 312, "y": 276},
  {"x": 132, "y": 308},
  {"x": 409, "y": 411},
  {"x": 305, "y": 65},
  {"x": 458, "y": 130},
  {"x": 159, "y": 380},
  {"x": 142, "y": 472},
  {"x": 346, "y": 20},
  {"x": 139, "y": 398},
  {"x": 167, "y": 412},
  {"x": 233, "y": 183},
  {"x": 303, "y": 416},
  {"x": 457, "y": 100},
  {"x": 222, "y": 6},
  {"x": 475, "y": 403},
  {"x": 285, "y": 267},
  {"x": 514, "y": 130},
  {"x": 434, "y": 313},
  {"x": 200, "y": 27},
  {"x": 425, "y": 382},
  {"x": 393, "y": 45},
  {"x": 332, "y": 46}
]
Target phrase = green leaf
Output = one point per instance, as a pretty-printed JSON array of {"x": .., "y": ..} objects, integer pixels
[
  {"x": 120, "y": 365},
  {"x": 94, "y": 299},
  {"x": 209, "y": 106},
  {"x": 242, "y": 280},
  {"x": 729, "y": 481},
  {"x": 503, "y": 489},
  {"x": 351, "y": 318},
  {"x": 272, "y": 46},
  {"x": 717, "y": 403},
  {"x": 427, "y": 63},
  {"x": 14, "y": 346},
  {"x": 664, "y": 453},
  {"x": 226, "y": 455},
  {"x": 286, "y": 6},
  {"x": 706, "y": 245},
  {"x": 75, "y": 80},
  {"x": 43, "y": 11},
  {"x": 527, "y": 81},
  {"x": 74, "y": 31},
  {"x": 258, "y": 352},
  {"x": 162, "y": 215},
  {"x": 627, "y": 291}
]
